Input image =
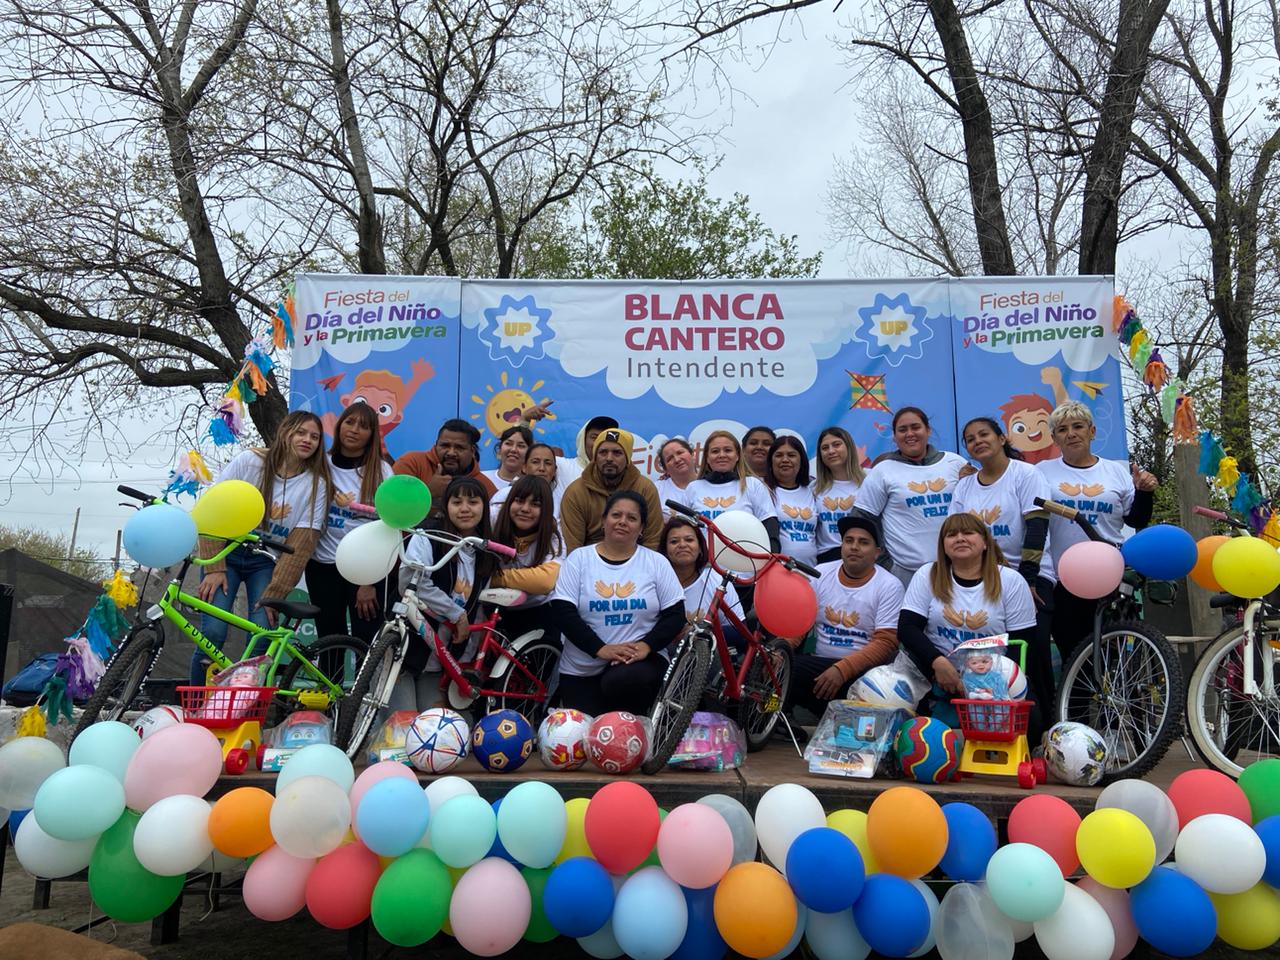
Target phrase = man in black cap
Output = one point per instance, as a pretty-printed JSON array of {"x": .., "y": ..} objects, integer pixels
[
  {"x": 857, "y": 625},
  {"x": 569, "y": 469}
]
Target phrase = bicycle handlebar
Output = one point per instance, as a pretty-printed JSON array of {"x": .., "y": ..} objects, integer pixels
[
  {"x": 137, "y": 494},
  {"x": 501, "y": 549},
  {"x": 805, "y": 568},
  {"x": 1072, "y": 514},
  {"x": 679, "y": 507},
  {"x": 714, "y": 531},
  {"x": 1220, "y": 516},
  {"x": 363, "y": 509}
]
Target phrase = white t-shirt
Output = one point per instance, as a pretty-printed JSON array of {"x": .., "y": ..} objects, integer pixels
[
  {"x": 848, "y": 616},
  {"x": 568, "y": 469},
  {"x": 712, "y": 499},
  {"x": 798, "y": 523},
  {"x": 698, "y": 594},
  {"x": 911, "y": 501},
  {"x": 1103, "y": 493},
  {"x": 668, "y": 490},
  {"x": 1002, "y": 506},
  {"x": 970, "y": 614},
  {"x": 496, "y": 479},
  {"x": 833, "y": 503},
  {"x": 647, "y": 585},
  {"x": 341, "y": 521},
  {"x": 291, "y": 506}
]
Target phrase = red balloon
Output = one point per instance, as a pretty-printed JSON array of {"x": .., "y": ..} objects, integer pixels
[
  {"x": 622, "y": 825},
  {"x": 785, "y": 602},
  {"x": 340, "y": 887},
  {"x": 1197, "y": 792},
  {"x": 1050, "y": 823}
]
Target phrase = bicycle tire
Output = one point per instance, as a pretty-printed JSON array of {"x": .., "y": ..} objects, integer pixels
[
  {"x": 1217, "y": 748},
  {"x": 757, "y": 713},
  {"x": 359, "y": 710},
  {"x": 287, "y": 678},
  {"x": 1113, "y": 713},
  {"x": 126, "y": 672},
  {"x": 678, "y": 697},
  {"x": 541, "y": 658}
]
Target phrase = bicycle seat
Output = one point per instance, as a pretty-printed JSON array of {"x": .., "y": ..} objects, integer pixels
[
  {"x": 292, "y": 609},
  {"x": 1225, "y": 600},
  {"x": 503, "y": 596}
]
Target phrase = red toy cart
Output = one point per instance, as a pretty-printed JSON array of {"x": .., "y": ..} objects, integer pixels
[
  {"x": 995, "y": 740},
  {"x": 232, "y": 714}
]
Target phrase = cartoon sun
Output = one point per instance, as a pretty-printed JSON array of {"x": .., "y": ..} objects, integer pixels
[{"x": 503, "y": 408}]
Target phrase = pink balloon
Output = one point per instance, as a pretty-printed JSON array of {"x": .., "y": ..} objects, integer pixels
[
  {"x": 383, "y": 770},
  {"x": 182, "y": 759},
  {"x": 1090, "y": 569},
  {"x": 695, "y": 845},
  {"x": 490, "y": 908},
  {"x": 275, "y": 885},
  {"x": 1116, "y": 903}
]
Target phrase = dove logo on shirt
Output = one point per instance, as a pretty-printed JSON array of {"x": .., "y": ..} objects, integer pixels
[
  {"x": 989, "y": 517},
  {"x": 931, "y": 496},
  {"x": 962, "y": 624},
  {"x": 1090, "y": 507},
  {"x": 615, "y": 599},
  {"x": 840, "y": 627}
]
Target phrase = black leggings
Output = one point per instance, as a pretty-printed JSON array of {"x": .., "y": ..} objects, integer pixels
[
  {"x": 630, "y": 686},
  {"x": 336, "y": 598},
  {"x": 1072, "y": 620},
  {"x": 517, "y": 621},
  {"x": 805, "y": 669}
]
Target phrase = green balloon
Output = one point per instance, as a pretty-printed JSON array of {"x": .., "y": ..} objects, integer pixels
[
  {"x": 411, "y": 899},
  {"x": 403, "y": 501},
  {"x": 122, "y": 887},
  {"x": 540, "y": 929},
  {"x": 652, "y": 859},
  {"x": 1261, "y": 784}
]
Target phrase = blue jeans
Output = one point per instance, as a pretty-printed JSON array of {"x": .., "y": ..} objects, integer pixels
[{"x": 254, "y": 571}]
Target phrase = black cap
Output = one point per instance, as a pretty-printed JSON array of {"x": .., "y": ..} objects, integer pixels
[
  {"x": 601, "y": 423},
  {"x": 858, "y": 522}
]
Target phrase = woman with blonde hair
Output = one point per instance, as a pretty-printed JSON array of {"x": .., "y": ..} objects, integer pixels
[
  {"x": 836, "y": 488},
  {"x": 724, "y": 485}
]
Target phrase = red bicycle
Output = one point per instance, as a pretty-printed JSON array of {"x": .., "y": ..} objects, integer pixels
[{"x": 759, "y": 682}]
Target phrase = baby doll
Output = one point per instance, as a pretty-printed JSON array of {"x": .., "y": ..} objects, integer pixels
[{"x": 983, "y": 678}]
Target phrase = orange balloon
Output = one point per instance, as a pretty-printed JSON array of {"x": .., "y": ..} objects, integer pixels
[
  {"x": 1202, "y": 572},
  {"x": 240, "y": 822},
  {"x": 907, "y": 832},
  {"x": 755, "y": 910}
]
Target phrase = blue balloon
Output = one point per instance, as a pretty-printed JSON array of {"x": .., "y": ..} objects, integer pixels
[
  {"x": 1173, "y": 913},
  {"x": 578, "y": 897},
  {"x": 825, "y": 870},
  {"x": 1268, "y": 831},
  {"x": 650, "y": 917},
  {"x": 702, "y": 940},
  {"x": 498, "y": 850},
  {"x": 160, "y": 535},
  {"x": 891, "y": 915},
  {"x": 15, "y": 821},
  {"x": 392, "y": 816},
  {"x": 971, "y": 840},
  {"x": 1162, "y": 552}
]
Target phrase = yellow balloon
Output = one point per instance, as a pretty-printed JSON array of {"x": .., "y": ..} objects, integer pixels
[
  {"x": 1249, "y": 920},
  {"x": 230, "y": 508},
  {"x": 1115, "y": 848},
  {"x": 455, "y": 874},
  {"x": 1247, "y": 567},
  {"x": 853, "y": 824},
  {"x": 575, "y": 835}
]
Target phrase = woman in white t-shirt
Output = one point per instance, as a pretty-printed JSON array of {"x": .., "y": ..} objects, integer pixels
[
  {"x": 619, "y": 605},
  {"x": 1111, "y": 494},
  {"x": 539, "y": 461},
  {"x": 839, "y": 478},
  {"x": 787, "y": 477},
  {"x": 513, "y": 446},
  {"x": 723, "y": 485},
  {"x": 678, "y": 464},
  {"x": 293, "y": 476},
  {"x": 966, "y": 593},
  {"x": 683, "y": 545},
  {"x": 357, "y": 468},
  {"x": 909, "y": 491},
  {"x": 526, "y": 523}
]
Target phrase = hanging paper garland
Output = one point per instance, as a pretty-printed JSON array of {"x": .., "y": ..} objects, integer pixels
[
  {"x": 187, "y": 477},
  {"x": 78, "y": 669}
]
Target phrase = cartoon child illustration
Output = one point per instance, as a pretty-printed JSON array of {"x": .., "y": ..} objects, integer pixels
[
  {"x": 383, "y": 390},
  {"x": 983, "y": 680},
  {"x": 1026, "y": 419}
]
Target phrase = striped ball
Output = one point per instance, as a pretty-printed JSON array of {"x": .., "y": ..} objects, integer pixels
[{"x": 928, "y": 750}]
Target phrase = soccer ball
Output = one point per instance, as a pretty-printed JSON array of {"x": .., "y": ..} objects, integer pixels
[
  {"x": 562, "y": 739},
  {"x": 1075, "y": 754},
  {"x": 156, "y": 719},
  {"x": 928, "y": 750},
  {"x": 886, "y": 686},
  {"x": 436, "y": 741},
  {"x": 502, "y": 741},
  {"x": 617, "y": 742}
]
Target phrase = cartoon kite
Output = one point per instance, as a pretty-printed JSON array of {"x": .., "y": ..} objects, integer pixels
[{"x": 867, "y": 391}]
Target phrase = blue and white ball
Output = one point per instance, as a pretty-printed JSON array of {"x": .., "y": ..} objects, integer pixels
[
  {"x": 437, "y": 740},
  {"x": 885, "y": 686},
  {"x": 502, "y": 741}
]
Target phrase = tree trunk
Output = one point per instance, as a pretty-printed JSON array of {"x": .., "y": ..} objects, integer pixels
[
  {"x": 1194, "y": 492},
  {"x": 1237, "y": 433}
]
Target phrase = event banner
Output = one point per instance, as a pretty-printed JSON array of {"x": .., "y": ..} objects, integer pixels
[{"x": 669, "y": 358}]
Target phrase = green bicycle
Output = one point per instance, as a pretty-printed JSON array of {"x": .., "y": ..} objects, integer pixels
[{"x": 312, "y": 677}]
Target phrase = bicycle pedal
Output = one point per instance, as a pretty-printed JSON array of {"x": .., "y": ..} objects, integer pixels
[
  {"x": 772, "y": 704},
  {"x": 314, "y": 700}
]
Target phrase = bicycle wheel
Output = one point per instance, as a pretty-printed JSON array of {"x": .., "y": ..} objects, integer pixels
[
  {"x": 762, "y": 700},
  {"x": 371, "y": 691},
  {"x": 337, "y": 657},
  {"x": 1135, "y": 700},
  {"x": 677, "y": 698},
  {"x": 1229, "y": 728},
  {"x": 541, "y": 659},
  {"x": 126, "y": 672}
]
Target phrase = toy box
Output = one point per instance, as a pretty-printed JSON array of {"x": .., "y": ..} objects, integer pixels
[
  {"x": 712, "y": 742},
  {"x": 853, "y": 737}
]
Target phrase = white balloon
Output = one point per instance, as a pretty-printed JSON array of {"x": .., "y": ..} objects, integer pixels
[
  {"x": 44, "y": 856},
  {"x": 367, "y": 554},
  {"x": 25, "y": 763},
  {"x": 310, "y": 817},
  {"x": 1078, "y": 930},
  {"x": 1221, "y": 853},
  {"x": 1149, "y": 804},
  {"x": 172, "y": 838},
  {"x": 834, "y": 936},
  {"x": 439, "y": 792},
  {"x": 602, "y": 944},
  {"x": 971, "y": 927},
  {"x": 783, "y": 813},
  {"x": 749, "y": 533},
  {"x": 741, "y": 826},
  {"x": 930, "y": 901}
]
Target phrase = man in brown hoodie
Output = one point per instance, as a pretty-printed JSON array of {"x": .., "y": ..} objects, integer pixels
[
  {"x": 610, "y": 470},
  {"x": 454, "y": 455}
]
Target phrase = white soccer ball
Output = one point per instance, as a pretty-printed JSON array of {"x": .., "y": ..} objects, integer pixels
[
  {"x": 157, "y": 719},
  {"x": 562, "y": 739},
  {"x": 437, "y": 740},
  {"x": 1075, "y": 754},
  {"x": 885, "y": 686}
]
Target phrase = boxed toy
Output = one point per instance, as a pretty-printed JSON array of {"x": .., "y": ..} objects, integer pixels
[
  {"x": 853, "y": 737},
  {"x": 712, "y": 742}
]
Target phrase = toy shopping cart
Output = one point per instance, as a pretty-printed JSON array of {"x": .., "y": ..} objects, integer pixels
[
  {"x": 995, "y": 737},
  {"x": 232, "y": 714}
]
